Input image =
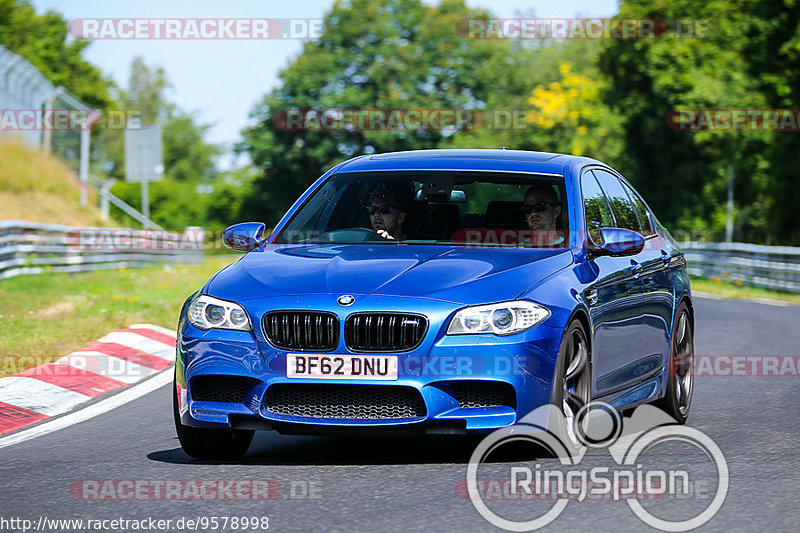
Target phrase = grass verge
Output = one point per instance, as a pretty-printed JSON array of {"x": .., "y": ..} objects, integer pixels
[
  {"x": 734, "y": 291},
  {"x": 45, "y": 316},
  {"x": 40, "y": 188}
]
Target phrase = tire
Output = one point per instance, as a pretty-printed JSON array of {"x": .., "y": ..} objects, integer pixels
[
  {"x": 572, "y": 385},
  {"x": 209, "y": 443},
  {"x": 680, "y": 383}
]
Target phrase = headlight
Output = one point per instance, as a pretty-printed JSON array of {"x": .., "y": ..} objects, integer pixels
[
  {"x": 504, "y": 318},
  {"x": 206, "y": 312}
]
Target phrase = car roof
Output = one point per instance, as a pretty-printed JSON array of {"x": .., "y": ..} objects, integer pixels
[{"x": 463, "y": 159}]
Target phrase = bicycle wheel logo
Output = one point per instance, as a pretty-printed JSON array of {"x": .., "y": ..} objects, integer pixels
[{"x": 569, "y": 477}]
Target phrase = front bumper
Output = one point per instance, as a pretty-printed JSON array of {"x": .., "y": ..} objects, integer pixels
[{"x": 519, "y": 368}]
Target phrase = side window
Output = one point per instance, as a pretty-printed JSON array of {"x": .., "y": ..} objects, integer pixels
[
  {"x": 595, "y": 206},
  {"x": 641, "y": 211},
  {"x": 621, "y": 205}
]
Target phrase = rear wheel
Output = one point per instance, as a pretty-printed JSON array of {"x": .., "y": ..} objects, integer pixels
[
  {"x": 680, "y": 383},
  {"x": 209, "y": 443}
]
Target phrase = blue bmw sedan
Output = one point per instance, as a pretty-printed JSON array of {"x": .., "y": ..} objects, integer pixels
[{"x": 437, "y": 292}]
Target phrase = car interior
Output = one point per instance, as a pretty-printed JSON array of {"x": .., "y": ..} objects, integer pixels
[{"x": 438, "y": 206}]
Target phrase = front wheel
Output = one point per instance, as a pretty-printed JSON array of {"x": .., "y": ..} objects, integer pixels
[
  {"x": 680, "y": 383},
  {"x": 572, "y": 384},
  {"x": 209, "y": 443}
]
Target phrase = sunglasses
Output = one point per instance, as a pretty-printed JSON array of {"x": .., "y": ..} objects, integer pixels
[
  {"x": 383, "y": 209},
  {"x": 538, "y": 207}
]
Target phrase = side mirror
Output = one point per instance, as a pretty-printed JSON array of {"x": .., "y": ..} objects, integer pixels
[
  {"x": 618, "y": 242},
  {"x": 245, "y": 236}
]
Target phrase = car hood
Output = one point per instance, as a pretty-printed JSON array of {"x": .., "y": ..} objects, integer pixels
[{"x": 459, "y": 275}]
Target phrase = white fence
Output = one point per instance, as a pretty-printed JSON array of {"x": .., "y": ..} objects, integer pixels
[
  {"x": 772, "y": 267},
  {"x": 24, "y": 88},
  {"x": 33, "y": 248}
]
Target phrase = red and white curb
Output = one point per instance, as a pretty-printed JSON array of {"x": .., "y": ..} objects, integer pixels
[{"x": 116, "y": 360}]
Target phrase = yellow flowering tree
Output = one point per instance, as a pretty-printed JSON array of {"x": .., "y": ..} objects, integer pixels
[{"x": 569, "y": 116}]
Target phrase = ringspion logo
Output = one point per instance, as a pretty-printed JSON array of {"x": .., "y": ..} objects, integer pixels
[{"x": 547, "y": 488}]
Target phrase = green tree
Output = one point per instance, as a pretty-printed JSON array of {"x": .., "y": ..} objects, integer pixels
[
  {"x": 527, "y": 65},
  {"x": 42, "y": 40},
  {"x": 187, "y": 156},
  {"x": 189, "y": 165},
  {"x": 684, "y": 174},
  {"x": 772, "y": 52},
  {"x": 385, "y": 54}
]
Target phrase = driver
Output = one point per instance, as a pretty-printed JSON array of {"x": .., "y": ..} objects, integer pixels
[{"x": 386, "y": 215}]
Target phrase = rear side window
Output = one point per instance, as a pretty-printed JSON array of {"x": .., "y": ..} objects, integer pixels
[
  {"x": 595, "y": 206},
  {"x": 621, "y": 205},
  {"x": 641, "y": 211}
]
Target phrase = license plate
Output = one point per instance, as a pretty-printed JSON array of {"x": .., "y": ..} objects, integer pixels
[{"x": 381, "y": 367}]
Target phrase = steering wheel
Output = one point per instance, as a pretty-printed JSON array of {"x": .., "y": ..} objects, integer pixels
[{"x": 349, "y": 235}]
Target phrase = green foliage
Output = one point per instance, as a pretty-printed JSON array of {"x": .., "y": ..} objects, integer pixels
[
  {"x": 513, "y": 76},
  {"x": 612, "y": 103},
  {"x": 750, "y": 52},
  {"x": 605, "y": 99},
  {"x": 41, "y": 39},
  {"x": 191, "y": 193},
  {"x": 175, "y": 204},
  {"x": 771, "y": 49},
  {"x": 386, "y": 54},
  {"x": 187, "y": 156}
]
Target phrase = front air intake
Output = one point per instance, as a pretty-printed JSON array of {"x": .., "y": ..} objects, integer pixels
[
  {"x": 212, "y": 388},
  {"x": 471, "y": 394},
  {"x": 365, "y": 402}
]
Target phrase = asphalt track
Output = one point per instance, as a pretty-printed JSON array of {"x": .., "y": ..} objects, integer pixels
[{"x": 347, "y": 484}]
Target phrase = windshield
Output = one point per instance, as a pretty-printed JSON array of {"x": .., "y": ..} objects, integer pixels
[{"x": 452, "y": 208}]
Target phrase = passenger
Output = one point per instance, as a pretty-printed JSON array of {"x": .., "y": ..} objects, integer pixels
[
  {"x": 541, "y": 210},
  {"x": 387, "y": 215}
]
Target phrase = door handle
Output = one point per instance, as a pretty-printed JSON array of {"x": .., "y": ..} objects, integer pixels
[
  {"x": 591, "y": 296},
  {"x": 636, "y": 268},
  {"x": 665, "y": 258}
]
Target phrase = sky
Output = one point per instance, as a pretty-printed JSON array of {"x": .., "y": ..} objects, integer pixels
[{"x": 221, "y": 80}]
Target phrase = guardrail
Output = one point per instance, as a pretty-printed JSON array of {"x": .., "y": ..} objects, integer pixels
[
  {"x": 33, "y": 248},
  {"x": 772, "y": 267}
]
